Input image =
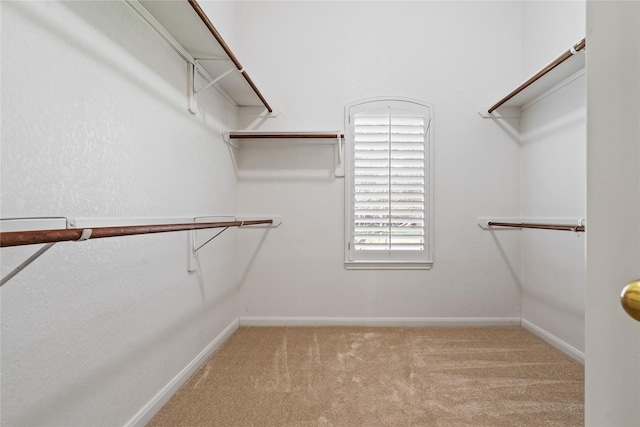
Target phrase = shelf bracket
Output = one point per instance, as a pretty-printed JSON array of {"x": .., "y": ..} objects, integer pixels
[
  {"x": 28, "y": 261},
  {"x": 227, "y": 139},
  {"x": 191, "y": 82},
  {"x": 340, "y": 167}
]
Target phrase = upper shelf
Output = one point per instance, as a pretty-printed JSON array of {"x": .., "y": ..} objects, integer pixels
[
  {"x": 285, "y": 135},
  {"x": 188, "y": 29},
  {"x": 313, "y": 137},
  {"x": 567, "y": 64}
]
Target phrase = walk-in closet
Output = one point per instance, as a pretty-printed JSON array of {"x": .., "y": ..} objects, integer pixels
[{"x": 320, "y": 213}]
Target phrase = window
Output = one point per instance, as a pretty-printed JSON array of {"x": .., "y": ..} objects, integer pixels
[{"x": 388, "y": 184}]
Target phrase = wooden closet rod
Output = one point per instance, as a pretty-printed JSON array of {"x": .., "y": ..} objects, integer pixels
[
  {"x": 559, "y": 60},
  {"x": 20, "y": 238},
  {"x": 203, "y": 16},
  {"x": 273, "y": 135},
  {"x": 576, "y": 228}
]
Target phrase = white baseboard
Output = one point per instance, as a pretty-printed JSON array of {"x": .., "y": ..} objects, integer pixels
[
  {"x": 377, "y": 321},
  {"x": 570, "y": 351},
  {"x": 163, "y": 396}
]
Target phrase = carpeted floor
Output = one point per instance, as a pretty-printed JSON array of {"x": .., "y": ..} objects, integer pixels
[{"x": 352, "y": 376}]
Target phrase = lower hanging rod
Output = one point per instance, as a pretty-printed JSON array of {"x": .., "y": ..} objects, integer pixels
[
  {"x": 21, "y": 238},
  {"x": 560, "y": 227}
]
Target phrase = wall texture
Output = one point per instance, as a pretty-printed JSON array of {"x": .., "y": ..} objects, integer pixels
[
  {"x": 314, "y": 58},
  {"x": 94, "y": 125}
]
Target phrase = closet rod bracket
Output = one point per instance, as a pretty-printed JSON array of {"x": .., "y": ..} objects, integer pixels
[
  {"x": 205, "y": 243},
  {"x": 240, "y": 222}
]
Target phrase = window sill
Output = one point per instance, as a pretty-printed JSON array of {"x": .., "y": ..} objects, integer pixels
[{"x": 377, "y": 265}]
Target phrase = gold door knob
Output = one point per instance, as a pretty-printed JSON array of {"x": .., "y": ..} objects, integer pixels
[{"x": 630, "y": 299}]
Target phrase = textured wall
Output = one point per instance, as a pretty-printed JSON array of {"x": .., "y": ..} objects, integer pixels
[
  {"x": 95, "y": 124},
  {"x": 318, "y": 57}
]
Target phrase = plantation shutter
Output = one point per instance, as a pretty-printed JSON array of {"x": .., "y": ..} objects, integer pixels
[{"x": 389, "y": 192}]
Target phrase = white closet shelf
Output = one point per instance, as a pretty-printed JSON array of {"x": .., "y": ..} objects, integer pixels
[
  {"x": 322, "y": 137},
  {"x": 563, "y": 67},
  {"x": 185, "y": 26},
  {"x": 286, "y": 135}
]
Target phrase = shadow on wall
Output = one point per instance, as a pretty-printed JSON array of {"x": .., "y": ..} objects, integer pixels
[
  {"x": 286, "y": 160},
  {"x": 104, "y": 23},
  {"x": 545, "y": 299},
  {"x": 513, "y": 270},
  {"x": 242, "y": 267},
  {"x": 555, "y": 127},
  {"x": 248, "y": 264},
  {"x": 100, "y": 16},
  {"x": 510, "y": 126},
  {"x": 211, "y": 245}
]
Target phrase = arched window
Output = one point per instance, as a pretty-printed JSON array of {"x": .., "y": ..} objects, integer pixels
[{"x": 388, "y": 184}]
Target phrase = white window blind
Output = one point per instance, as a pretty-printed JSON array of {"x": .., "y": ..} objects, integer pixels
[{"x": 388, "y": 184}]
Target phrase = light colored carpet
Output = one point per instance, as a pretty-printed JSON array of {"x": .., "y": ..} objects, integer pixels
[{"x": 352, "y": 376}]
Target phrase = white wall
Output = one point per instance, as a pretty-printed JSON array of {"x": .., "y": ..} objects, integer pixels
[
  {"x": 612, "y": 381},
  {"x": 550, "y": 27},
  {"x": 554, "y": 180},
  {"x": 95, "y": 124},
  {"x": 554, "y": 186},
  {"x": 315, "y": 57}
]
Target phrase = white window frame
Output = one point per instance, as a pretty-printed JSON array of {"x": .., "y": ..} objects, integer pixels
[{"x": 361, "y": 259}]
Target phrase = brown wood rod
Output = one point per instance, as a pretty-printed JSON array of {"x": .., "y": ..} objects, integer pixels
[
  {"x": 559, "y": 227},
  {"x": 263, "y": 135},
  {"x": 559, "y": 60},
  {"x": 20, "y": 238},
  {"x": 205, "y": 19}
]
